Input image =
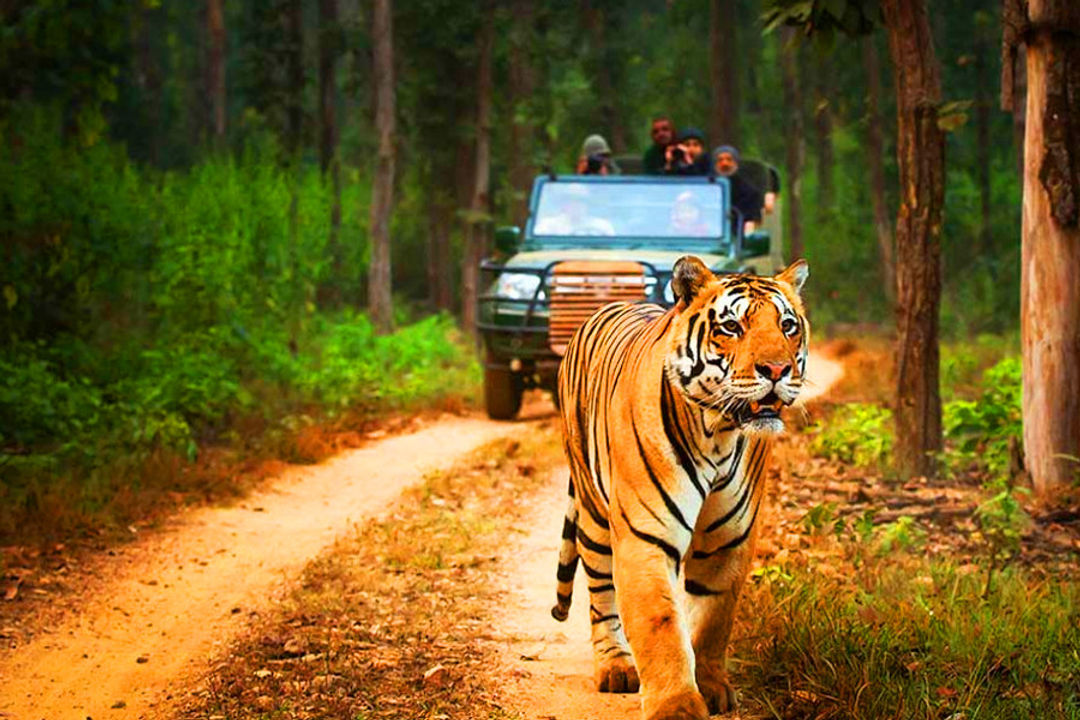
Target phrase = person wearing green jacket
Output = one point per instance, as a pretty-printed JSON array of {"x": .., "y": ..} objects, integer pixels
[{"x": 663, "y": 135}]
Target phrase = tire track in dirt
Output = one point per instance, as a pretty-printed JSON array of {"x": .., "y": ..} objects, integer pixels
[
  {"x": 550, "y": 663},
  {"x": 176, "y": 598}
]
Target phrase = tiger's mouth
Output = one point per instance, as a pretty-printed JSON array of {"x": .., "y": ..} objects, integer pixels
[{"x": 767, "y": 408}]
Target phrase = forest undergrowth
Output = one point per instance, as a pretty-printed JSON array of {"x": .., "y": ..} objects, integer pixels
[
  {"x": 954, "y": 597},
  {"x": 158, "y": 328}
]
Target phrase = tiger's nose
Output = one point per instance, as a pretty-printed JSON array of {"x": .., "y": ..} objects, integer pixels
[{"x": 773, "y": 371}]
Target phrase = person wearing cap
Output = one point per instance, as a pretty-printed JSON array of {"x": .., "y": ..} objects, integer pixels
[
  {"x": 687, "y": 156},
  {"x": 596, "y": 158},
  {"x": 745, "y": 197},
  {"x": 662, "y": 132}
]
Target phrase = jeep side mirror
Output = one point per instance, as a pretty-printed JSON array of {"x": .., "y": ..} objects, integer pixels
[
  {"x": 508, "y": 239},
  {"x": 755, "y": 244}
]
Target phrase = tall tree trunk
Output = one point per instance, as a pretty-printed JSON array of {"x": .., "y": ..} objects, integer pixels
[
  {"x": 148, "y": 79},
  {"x": 478, "y": 206},
  {"x": 329, "y": 163},
  {"x": 215, "y": 71},
  {"x": 440, "y": 222},
  {"x": 1050, "y": 255},
  {"x": 380, "y": 304},
  {"x": 598, "y": 22},
  {"x": 921, "y": 159},
  {"x": 723, "y": 74},
  {"x": 982, "y": 51},
  {"x": 793, "y": 143},
  {"x": 294, "y": 70},
  {"x": 875, "y": 152},
  {"x": 823, "y": 129},
  {"x": 522, "y": 87}
]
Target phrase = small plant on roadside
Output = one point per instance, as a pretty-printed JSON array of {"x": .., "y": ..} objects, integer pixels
[
  {"x": 856, "y": 433},
  {"x": 903, "y": 534},
  {"x": 1002, "y": 521},
  {"x": 823, "y": 516}
]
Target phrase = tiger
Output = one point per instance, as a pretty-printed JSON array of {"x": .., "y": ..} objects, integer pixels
[{"x": 668, "y": 418}]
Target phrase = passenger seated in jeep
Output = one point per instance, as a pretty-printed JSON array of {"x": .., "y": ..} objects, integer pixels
[
  {"x": 663, "y": 135},
  {"x": 565, "y": 210},
  {"x": 687, "y": 220},
  {"x": 687, "y": 156},
  {"x": 745, "y": 198}
]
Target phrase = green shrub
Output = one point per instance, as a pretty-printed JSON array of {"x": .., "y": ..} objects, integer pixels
[
  {"x": 979, "y": 432},
  {"x": 856, "y": 433}
]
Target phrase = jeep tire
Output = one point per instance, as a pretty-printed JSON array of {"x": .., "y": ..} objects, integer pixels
[{"x": 502, "y": 393}]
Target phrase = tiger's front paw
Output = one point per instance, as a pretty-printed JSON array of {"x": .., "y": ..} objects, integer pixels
[
  {"x": 718, "y": 691},
  {"x": 684, "y": 706},
  {"x": 617, "y": 676}
]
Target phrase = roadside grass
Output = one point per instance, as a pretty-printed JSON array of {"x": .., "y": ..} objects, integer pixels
[
  {"x": 394, "y": 620},
  {"x": 88, "y": 458},
  {"x": 857, "y": 631}
]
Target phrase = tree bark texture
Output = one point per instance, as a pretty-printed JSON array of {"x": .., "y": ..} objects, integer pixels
[
  {"x": 723, "y": 74},
  {"x": 380, "y": 305},
  {"x": 1050, "y": 273},
  {"x": 215, "y": 71},
  {"x": 476, "y": 231},
  {"x": 823, "y": 129},
  {"x": 598, "y": 23},
  {"x": 294, "y": 64},
  {"x": 329, "y": 46},
  {"x": 921, "y": 160},
  {"x": 875, "y": 152},
  {"x": 793, "y": 143},
  {"x": 522, "y": 129},
  {"x": 983, "y": 101}
]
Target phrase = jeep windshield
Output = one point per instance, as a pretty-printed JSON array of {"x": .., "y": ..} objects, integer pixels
[{"x": 626, "y": 212}]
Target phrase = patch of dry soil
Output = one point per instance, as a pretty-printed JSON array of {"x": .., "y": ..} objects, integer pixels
[{"x": 177, "y": 597}]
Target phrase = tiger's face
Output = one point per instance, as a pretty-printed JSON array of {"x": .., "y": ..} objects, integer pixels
[{"x": 740, "y": 343}]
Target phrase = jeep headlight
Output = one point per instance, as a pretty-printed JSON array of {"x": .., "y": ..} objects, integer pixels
[{"x": 516, "y": 286}]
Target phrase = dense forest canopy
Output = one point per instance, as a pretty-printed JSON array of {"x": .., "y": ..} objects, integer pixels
[{"x": 131, "y": 80}]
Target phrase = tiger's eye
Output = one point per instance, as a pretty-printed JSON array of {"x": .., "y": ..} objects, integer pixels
[
  {"x": 731, "y": 327},
  {"x": 788, "y": 326}
]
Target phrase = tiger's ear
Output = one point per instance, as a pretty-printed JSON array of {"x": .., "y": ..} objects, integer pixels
[
  {"x": 688, "y": 277},
  {"x": 795, "y": 274}
]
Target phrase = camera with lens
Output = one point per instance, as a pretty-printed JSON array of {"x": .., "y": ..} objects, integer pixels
[{"x": 595, "y": 163}]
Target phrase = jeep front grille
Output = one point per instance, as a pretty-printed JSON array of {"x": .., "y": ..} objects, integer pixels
[{"x": 577, "y": 289}]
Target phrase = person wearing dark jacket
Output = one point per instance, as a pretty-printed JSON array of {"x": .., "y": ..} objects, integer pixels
[
  {"x": 663, "y": 135},
  {"x": 688, "y": 155},
  {"x": 745, "y": 198}
]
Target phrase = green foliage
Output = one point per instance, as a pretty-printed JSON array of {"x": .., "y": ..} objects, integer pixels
[
  {"x": 903, "y": 534},
  {"x": 856, "y": 433},
  {"x": 980, "y": 432}
]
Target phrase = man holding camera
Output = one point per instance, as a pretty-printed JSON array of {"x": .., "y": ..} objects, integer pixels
[{"x": 596, "y": 158}]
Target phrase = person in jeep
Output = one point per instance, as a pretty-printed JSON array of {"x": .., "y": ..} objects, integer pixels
[
  {"x": 663, "y": 135},
  {"x": 688, "y": 156},
  {"x": 745, "y": 198}
]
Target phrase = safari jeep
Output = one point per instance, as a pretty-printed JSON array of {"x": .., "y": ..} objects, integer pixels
[{"x": 591, "y": 240}]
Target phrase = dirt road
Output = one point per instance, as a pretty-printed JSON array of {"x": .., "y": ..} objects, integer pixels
[
  {"x": 175, "y": 598},
  {"x": 552, "y": 661}
]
